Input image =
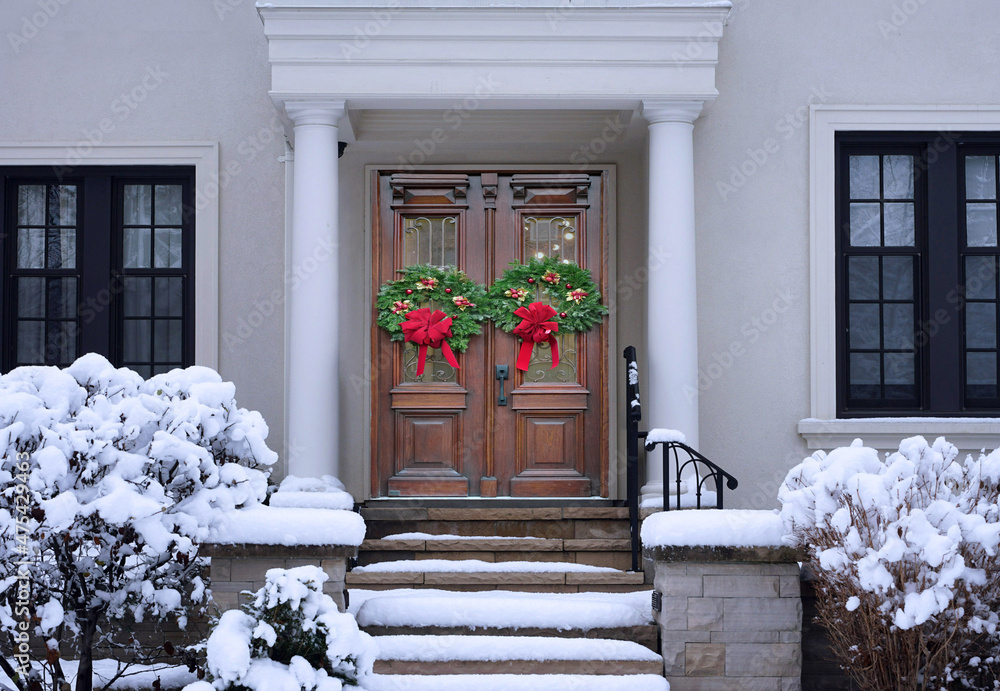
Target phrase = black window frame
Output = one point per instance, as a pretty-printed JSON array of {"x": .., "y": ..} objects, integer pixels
[
  {"x": 100, "y": 229},
  {"x": 939, "y": 225}
]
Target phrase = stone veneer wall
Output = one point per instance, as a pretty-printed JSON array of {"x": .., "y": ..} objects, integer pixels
[
  {"x": 731, "y": 618},
  {"x": 236, "y": 568}
]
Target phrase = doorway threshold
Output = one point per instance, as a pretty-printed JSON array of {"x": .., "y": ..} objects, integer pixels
[{"x": 491, "y": 502}]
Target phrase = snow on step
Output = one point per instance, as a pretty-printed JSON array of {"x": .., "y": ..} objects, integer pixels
[
  {"x": 499, "y": 611},
  {"x": 501, "y": 648},
  {"x": 515, "y": 682},
  {"x": 477, "y": 566},
  {"x": 431, "y": 536},
  {"x": 639, "y": 601}
]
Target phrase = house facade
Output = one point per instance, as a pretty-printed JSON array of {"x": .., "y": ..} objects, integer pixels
[{"x": 791, "y": 212}]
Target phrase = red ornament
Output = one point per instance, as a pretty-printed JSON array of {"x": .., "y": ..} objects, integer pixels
[
  {"x": 531, "y": 280},
  {"x": 569, "y": 286},
  {"x": 448, "y": 290},
  {"x": 428, "y": 329},
  {"x": 535, "y": 327},
  {"x": 562, "y": 315},
  {"x": 409, "y": 291}
]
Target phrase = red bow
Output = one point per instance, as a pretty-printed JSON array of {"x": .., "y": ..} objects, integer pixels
[
  {"x": 536, "y": 328},
  {"x": 429, "y": 329}
]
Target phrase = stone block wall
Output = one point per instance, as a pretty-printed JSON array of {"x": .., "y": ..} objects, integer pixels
[
  {"x": 239, "y": 568},
  {"x": 730, "y": 619}
]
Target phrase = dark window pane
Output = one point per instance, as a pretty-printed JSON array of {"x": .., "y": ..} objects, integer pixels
[
  {"x": 898, "y": 324},
  {"x": 981, "y": 278},
  {"x": 31, "y": 297},
  {"x": 136, "y": 340},
  {"x": 61, "y": 298},
  {"x": 167, "y": 248},
  {"x": 981, "y": 325},
  {"x": 61, "y": 342},
  {"x": 900, "y": 369},
  {"x": 31, "y": 205},
  {"x": 30, "y": 248},
  {"x": 167, "y": 340},
  {"x": 162, "y": 369},
  {"x": 168, "y": 205},
  {"x": 62, "y": 205},
  {"x": 897, "y": 278},
  {"x": 866, "y": 369},
  {"x": 138, "y": 205},
  {"x": 142, "y": 370},
  {"x": 30, "y": 343},
  {"x": 862, "y": 278},
  {"x": 981, "y": 225},
  {"x": 897, "y": 177},
  {"x": 981, "y": 369},
  {"x": 864, "y": 326},
  {"x": 169, "y": 296},
  {"x": 980, "y": 177},
  {"x": 62, "y": 248},
  {"x": 136, "y": 297},
  {"x": 865, "y": 225},
  {"x": 136, "y": 248},
  {"x": 864, "y": 177},
  {"x": 899, "y": 231}
]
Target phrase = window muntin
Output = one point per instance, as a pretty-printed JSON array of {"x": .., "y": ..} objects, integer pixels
[
  {"x": 918, "y": 301},
  {"x": 74, "y": 284}
]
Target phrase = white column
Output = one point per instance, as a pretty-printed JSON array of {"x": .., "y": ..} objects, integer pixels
[
  {"x": 671, "y": 353},
  {"x": 312, "y": 390}
]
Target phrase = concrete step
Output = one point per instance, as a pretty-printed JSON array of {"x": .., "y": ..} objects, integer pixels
[
  {"x": 516, "y": 682},
  {"x": 640, "y": 634},
  {"x": 421, "y": 655}
]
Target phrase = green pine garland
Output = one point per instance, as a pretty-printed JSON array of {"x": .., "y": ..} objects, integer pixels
[
  {"x": 579, "y": 314},
  {"x": 449, "y": 284}
]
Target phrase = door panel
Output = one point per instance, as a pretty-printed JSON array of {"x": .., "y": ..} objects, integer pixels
[{"x": 444, "y": 434}]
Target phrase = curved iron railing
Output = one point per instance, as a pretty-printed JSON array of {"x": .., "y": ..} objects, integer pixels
[{"x": 703, "y": 469}]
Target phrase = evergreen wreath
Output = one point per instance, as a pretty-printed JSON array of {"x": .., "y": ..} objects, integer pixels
[
  {"x": 446, "y": 289},
  {"x": 575, "y": 297}
]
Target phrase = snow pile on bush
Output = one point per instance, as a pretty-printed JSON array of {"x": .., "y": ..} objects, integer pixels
[
  {"x": 109, "y": 483},
  {"x": 905, "y": 554},
  {"x": 292, "y": 638}
]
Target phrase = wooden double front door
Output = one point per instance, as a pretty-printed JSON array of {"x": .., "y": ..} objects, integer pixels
[{"x": 445, "y": 433}]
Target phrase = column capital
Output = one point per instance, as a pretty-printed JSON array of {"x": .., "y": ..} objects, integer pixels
[
  {"x": 656, "y": 111},
  {"x": 316, "y": 112}
]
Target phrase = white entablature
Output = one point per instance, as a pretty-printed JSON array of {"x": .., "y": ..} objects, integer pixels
[{"x": 532, "y": 54}]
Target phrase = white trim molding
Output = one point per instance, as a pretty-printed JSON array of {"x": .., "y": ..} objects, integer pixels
[
  {"x": 822, "y": 429},
  {"x": 204, "y": 156}
]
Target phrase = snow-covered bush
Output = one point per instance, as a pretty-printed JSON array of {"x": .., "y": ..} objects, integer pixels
[
  {"x": 108, "y": 484},
  {"x": 905, "y": 556},
  {"x": 291, "y": 638}
]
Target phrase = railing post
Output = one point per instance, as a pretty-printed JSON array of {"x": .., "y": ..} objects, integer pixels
[{"x": 633, "y": 413}]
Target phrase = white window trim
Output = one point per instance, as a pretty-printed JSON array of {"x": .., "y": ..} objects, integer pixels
[
  {"x": 823, "y": 430},
  {"x": 204, "y": 156}
]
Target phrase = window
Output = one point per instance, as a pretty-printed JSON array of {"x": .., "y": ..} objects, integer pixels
[
  {"x": 917, "y": 262},
  {"x": 98, "y": 260}
]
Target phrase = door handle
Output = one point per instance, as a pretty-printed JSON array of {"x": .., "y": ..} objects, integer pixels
[{"x": 502, "y": 374}]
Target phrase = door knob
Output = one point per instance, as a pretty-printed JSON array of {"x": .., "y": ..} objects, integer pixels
[{"x": 502, "y": 374}]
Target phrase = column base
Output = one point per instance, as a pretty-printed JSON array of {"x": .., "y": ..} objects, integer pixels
[{"x": 651, "y": 491}]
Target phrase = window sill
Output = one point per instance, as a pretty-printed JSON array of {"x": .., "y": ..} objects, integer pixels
[{"x": 968, "y": 434}]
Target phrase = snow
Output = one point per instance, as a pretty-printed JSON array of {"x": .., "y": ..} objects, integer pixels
[
  {"x": 313, "y": 493},
  {"x": 477, "y": 566},
  {"x": 501, "y": 609},
  {"x": 713, "y": 528},
  {"x": 516, "y": 682},
  {"x": 137, "y": 677},
  {"x": 429, "y": 536},
  {"x": 502, "y": 648},
  {"x": 662, "y": 436},
  {"x": 689, "y": 500},
  {"x": 273, "y": 525}
]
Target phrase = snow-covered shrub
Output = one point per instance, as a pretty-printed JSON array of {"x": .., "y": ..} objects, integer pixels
[
  {"x": 108, "y": 484},
  {"x": 905, "y": 556},
  {"x": 291, "y": 638}
]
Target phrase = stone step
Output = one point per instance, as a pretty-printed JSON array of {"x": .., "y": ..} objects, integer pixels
[
  {"x": 421, "y": 655},
  {"x": 516, "y": 682},
  {"x": 640, "y": 634}
]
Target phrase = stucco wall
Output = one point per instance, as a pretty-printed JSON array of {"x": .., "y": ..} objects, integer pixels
[{"x": 777, "y": 56}]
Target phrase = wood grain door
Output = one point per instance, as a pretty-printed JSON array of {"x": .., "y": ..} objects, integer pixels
[{"x": 444, "y": 433}]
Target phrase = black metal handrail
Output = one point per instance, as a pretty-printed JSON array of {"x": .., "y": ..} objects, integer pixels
[
  {"x": 633, "y": 414},
  {"x": 704, "y": 470}
]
